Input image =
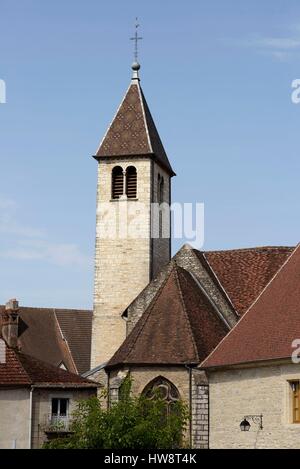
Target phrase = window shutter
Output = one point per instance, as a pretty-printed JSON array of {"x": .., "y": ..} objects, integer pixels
[
  {"x": 117, "y": 182},
  {"x": 131, "y": 182},
  {"x": 296, "y": 407}
]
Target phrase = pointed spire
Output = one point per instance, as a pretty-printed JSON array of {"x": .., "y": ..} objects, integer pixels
[{"x": 132, "y": 131}]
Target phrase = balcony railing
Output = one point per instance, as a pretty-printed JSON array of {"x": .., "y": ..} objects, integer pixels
[{"x": 57, "y": 423}]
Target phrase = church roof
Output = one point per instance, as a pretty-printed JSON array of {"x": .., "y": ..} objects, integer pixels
[
  {"x": 269, "y": 327},
  {"x": 180, "y": 326},
  {"x": 19, "y": 369},
  {"x": 133, "y": 132},
  {"x": 243, "y": 273},
  {"x": 56, "y": 336}
]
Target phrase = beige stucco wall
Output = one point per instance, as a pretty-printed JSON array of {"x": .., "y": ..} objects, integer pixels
[
  {"x": 14, "y": 412},
  {"x": 41, "y": 408},
  {"x": 265, "y": 390}
]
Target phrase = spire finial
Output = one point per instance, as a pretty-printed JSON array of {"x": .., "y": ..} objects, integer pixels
[{"x": 136, "y": 66}]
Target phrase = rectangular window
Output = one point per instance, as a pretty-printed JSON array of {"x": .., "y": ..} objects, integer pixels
[
  {"x": 295, "y": 386},
  {"x": 60, "y": 407}
]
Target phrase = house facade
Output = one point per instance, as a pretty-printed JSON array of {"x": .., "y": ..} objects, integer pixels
[{"x": 37, "y": 399}]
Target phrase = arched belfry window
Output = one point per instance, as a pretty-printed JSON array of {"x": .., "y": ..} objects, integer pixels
[
  {"x": 117, "y": 182},
  {"x": 165, "y": 390},
  {"x": 131, "y": 182}
]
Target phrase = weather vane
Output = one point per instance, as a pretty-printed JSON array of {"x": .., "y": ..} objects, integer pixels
[{"x": 136, "y": 38}]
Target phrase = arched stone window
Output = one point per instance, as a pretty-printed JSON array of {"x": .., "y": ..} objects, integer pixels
[
  {"x": 117, "y": 182},
  {"x": 131, "y": 182},
  {"x": 164, "y": 389}
]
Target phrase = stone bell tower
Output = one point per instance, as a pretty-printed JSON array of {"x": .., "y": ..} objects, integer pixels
[{"x": 132, "y": 234}]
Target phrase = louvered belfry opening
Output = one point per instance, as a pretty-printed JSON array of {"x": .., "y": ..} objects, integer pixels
[
  {"x": 117, "y": 182},
  {"x": 131, "y": 182}
]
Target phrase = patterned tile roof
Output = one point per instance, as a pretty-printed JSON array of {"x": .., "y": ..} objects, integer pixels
[
  {"x": 180, "y": 326},
  {"x": 269, "y": 327},
  {"x": 133, "y": 132}
]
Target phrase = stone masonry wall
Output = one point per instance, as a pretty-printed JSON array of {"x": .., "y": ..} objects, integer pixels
[
  {"x": 253, "y": 391},
  {"x": 188, "y": 260},
  {"x": 122, "y": 260},
  {"x": 125, "y": 260},
  {"x": 200, "y": 411},
  {"x": 180, "y": 377}
]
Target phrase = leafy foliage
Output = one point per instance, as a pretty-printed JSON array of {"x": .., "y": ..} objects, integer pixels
[{"x": 131, "y": 423}]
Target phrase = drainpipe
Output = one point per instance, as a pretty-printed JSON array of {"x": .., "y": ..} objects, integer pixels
[{"x": 30, "y": 418}]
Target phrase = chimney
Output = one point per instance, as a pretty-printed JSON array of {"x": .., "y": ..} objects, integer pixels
[{"x": 10, "y": 321}]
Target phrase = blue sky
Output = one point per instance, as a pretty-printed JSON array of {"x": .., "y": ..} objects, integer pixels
[{"x": 217, "y": 76}]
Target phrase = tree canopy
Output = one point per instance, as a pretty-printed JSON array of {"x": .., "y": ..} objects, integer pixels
[{"x": 134, "y": 422}]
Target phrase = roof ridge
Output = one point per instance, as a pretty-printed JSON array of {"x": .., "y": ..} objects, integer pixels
[
  {"x": 274, "y": 276},
  {"x": 144, "y": 116},
  {"x": 53, "y": 309},
  {"x": 50, "y": 366},
  {"x": 219, "y": 283},
  {"x": 113, "y": 119},
  {"x": 254, "y": 248},
  {"x": 185, "y": 309},
  {"x": 64, "y": 341}
]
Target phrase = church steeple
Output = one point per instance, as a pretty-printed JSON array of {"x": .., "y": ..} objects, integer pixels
[
  {"x": 132, "y": 131},
  {"x": 134, "y": 175}
]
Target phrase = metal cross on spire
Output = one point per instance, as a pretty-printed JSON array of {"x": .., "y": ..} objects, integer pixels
[{"x": 136, "y": 38}]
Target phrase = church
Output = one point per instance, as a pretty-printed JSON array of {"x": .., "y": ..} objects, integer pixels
[{"x": 161, "y": 318}]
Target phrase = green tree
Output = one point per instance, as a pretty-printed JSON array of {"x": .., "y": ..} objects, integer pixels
[{"x": 131, "y": 423}]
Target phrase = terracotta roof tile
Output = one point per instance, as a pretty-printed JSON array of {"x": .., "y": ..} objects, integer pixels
[
  {"x": 40, "y": 335},
  {"x": 180, "y": 326},
  {"x": 244, "y": 273},
  {"x": 76, "y": 326},
  {"x": 133, "y": 132},
  {"x": 20, "y": 369},
  {"x": 269, "y": 327}
]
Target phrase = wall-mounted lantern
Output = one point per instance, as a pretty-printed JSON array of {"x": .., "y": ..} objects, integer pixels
[{"x": 245, "y": 424}]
